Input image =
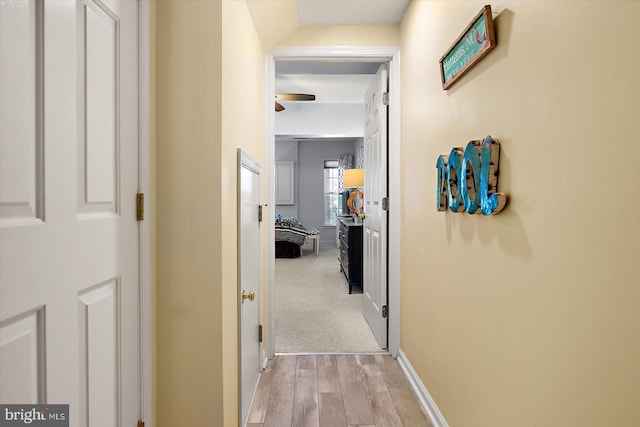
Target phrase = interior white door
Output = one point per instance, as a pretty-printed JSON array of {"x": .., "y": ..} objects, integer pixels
[
  {"x": 249, "y": 280},
  {"x": 375, "y": 220},
  {"x": 69, "y": 254}
]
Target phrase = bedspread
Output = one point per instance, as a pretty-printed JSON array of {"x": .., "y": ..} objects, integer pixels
[{"x": 288, "y": 229}]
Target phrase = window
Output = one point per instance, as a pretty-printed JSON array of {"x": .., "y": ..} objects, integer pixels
[{"x": 331, "y": 188}]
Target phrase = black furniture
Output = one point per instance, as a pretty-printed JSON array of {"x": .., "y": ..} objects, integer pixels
[
  {"x": 350, "y": 256},
  {"x": 287, "y": 250}
]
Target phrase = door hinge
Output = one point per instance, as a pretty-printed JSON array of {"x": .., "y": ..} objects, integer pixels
[
  {"x": 260, "y": 212},
  {"x": 140, "y": 206},
  {"x": 385, "y": 311},
  {"x": 385, "y": 98},
  {"x": 259, "y": 333},
  {"x": 385, "y": 203},
  {"x": 140, "y": 423}
]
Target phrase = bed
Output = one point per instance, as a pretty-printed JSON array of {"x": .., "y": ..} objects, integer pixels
[{"x": 291, "y": 235}]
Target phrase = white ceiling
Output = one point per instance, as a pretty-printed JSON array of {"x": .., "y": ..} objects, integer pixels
[
  {"x": 328, "y": 88},
  {"x": 354, "y": 12}
]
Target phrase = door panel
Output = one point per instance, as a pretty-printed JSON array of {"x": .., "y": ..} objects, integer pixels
[
  {"x": 249, "y": 278},
  {"x": 98, "y": 169},
  {"x": 20, "y": 116},
  {"x": 101, "y": 82},
  {"x": 98, "y": 332},
  {"x": 375, "y": 223},
  {"x": 285, "y": 187},
  {"x": 21, "y": 346},
  {"x": 69, "y": 277}
]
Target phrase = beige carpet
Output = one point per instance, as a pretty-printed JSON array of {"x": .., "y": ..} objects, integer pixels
[{"x": 313, "y": 309}]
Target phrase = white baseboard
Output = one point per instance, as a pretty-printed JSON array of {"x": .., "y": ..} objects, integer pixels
[
  {"x": 265, "y": 363},
  {"x": 428, "y": 405}
]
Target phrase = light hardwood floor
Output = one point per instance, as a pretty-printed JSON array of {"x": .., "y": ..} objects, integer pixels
[{"x": 334, "y": 391}]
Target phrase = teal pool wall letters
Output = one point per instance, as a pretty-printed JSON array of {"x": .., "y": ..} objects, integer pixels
[
  {"x": 468, "y": 180},
  {"x": 454, "y": 172},
  {"x": 441, "y": 191}
]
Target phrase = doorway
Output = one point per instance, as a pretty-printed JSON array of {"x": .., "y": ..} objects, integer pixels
[
  {"x": 321, "y": 300},
  {"x": 338, "y": 55}
]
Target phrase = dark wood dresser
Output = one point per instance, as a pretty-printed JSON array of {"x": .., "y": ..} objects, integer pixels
[{"x": 350, "y": 256}]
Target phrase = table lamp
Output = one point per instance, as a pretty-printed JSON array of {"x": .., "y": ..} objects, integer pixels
[{"x": 354, "y": 178}]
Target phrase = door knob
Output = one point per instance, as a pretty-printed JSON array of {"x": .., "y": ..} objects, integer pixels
[{"x": 250, "y": 296}]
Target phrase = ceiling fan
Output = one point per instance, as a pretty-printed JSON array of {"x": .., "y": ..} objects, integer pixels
[{"x": 292, "y": 97}]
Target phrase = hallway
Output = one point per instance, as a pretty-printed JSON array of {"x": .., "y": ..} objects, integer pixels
[{"x": 334, "y": 391}]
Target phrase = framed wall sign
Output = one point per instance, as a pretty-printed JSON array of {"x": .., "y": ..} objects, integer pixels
[{"x": 475, "y": 42}]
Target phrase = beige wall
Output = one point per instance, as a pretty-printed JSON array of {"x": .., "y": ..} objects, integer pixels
[
  {"x": 242, "y": 127},
  {"x": 208, "y": 83},
  {"x": 273, "y": 20},
  {"x": 530, "y": 317},
  {"x": 189, "y": 214}
]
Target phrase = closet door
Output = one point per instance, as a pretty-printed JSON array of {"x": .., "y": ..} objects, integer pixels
[{"x": 69, "y": 254}]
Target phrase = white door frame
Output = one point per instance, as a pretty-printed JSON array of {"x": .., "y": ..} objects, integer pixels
[
  {"x": 144, "y": 185},
  {"x": 390, "y": 54}
]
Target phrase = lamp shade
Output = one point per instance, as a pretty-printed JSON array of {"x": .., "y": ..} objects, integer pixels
[{"x": 353, "y": 178}]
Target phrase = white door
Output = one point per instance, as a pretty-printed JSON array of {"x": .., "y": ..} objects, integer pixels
[
  {"x": 69, "y": 275},
  {"x": 249, "y": 280},
  {"x": 375, "y": 222}
]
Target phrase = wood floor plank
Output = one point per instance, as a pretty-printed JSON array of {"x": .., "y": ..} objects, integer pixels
[
  {"x": 328, "y": 379},
  {"x": 306, "y": 362},
  {"x": 354, "y": 396},
  {"x": 392, "y": 372},
  {"x": 280, "y": 407},
  {"x": 335, "y": 390},
  {"x": 408, "y": 408},
  {"x": 261, "y": 400},
  {"x": 331, "y": 410},
  {"x": 382, "y": 407},
  {"x": 305, "y": 399},
  {"x": 366, "y": 359}
]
